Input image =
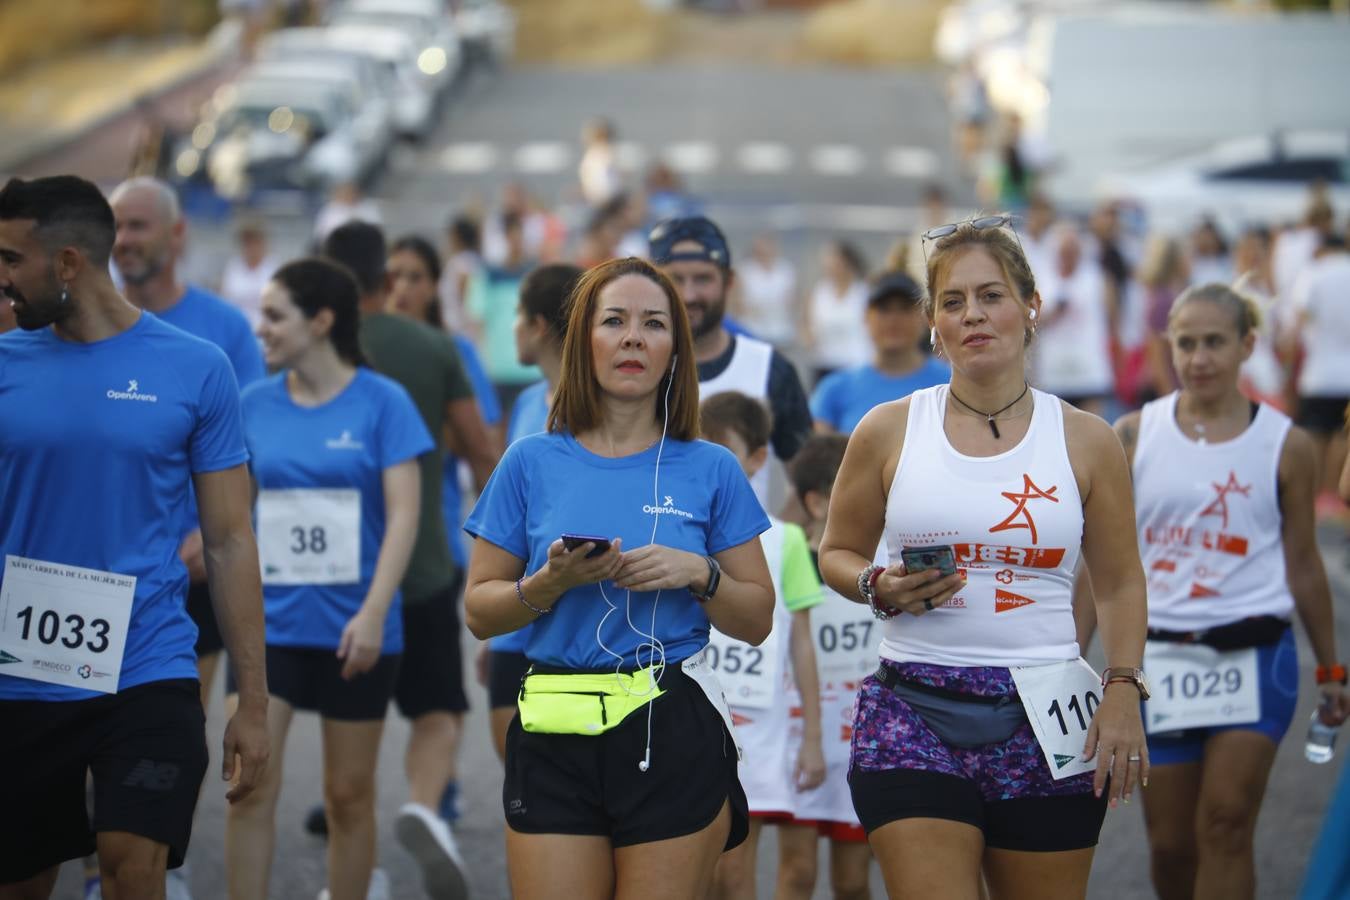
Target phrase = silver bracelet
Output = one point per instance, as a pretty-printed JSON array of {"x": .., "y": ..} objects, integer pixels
[
  {"x": 866, "y": 590},
  {"x": 520, "y": 595}
]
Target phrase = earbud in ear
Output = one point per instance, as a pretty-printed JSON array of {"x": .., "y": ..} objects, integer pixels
[{"x": 1032, "y": 314}]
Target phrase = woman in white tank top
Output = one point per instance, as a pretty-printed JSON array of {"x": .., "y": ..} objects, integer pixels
[
  {"x": 1224, "y": 488},
  {"x": 976, "y": 751}
]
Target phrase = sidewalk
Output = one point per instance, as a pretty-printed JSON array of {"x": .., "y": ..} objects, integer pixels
[{"x": 48, "y": 106}]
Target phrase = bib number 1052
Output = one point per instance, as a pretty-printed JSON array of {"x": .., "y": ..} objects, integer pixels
[{"x": 73, "y": 636}]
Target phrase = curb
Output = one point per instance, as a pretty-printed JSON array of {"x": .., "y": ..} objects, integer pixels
[{"x": 222, "y": 47}]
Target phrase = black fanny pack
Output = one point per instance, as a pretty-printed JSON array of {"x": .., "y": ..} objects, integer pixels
[
  {"x": 1256, "y": 631},
  {"x": 959, "y": 720}
]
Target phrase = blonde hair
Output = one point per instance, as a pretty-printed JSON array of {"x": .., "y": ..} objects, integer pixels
[
  {"x": 1242, "y": 306},
  {"x": 1000, "y": 243},
  {"x": 1163, "y": 259}
]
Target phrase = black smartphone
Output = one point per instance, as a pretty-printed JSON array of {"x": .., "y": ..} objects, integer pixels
[
  {"x": 920, "y": 559},
  {"x": 573, "y": 541}
]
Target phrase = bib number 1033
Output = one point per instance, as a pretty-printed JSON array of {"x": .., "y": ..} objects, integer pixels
[{"x": 64, "y": 624}]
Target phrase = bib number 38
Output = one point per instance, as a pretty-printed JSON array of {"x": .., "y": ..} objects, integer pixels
[{"x": 309, "y": 536}]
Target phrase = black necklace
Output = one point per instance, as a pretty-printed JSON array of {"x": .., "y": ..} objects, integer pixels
[{"x": 989, "y": 416}]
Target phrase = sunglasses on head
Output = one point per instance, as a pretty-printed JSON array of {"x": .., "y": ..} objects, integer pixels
[{"x": 979, "y": 224}]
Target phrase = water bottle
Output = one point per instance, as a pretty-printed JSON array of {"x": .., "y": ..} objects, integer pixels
[{"x": 1321, "y": 746}]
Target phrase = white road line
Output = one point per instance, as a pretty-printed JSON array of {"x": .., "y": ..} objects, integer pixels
[
  {"x": 692, "y": 157},
  {"x": 911, "y": 162},
  {"x": 838, "y": 159},
  {"x": 630, "y": 156},
  {"x": 765, "y": 157},
  {"x": 468, "y": 158},
  {"x": 542, "y": 157}
]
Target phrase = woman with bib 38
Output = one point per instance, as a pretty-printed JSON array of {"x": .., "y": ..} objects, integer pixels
[
  {"x": 620, "y": 765},
  {"x": 1224, "y": 488},
  {"x": 983, "y": 745},
  {"x": 333, "y": 450}
]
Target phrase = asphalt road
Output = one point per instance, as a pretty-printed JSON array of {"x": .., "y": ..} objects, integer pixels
[{"x": 810, "y": 153}]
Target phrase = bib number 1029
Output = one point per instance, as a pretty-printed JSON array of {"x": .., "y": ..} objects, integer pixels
[
  {"x": 49, "y": 629},
  {"x": 1080, "y": 711}
]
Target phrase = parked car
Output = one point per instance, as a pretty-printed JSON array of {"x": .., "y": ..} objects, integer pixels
[
  {"x": 439, "y": 55},
  {"x": 374, "y": 125},
  {"x": 412, "y": 99},
  {"x": 270, "y": 135},
  {"x": 1262, "y": 179},
  {"x": 487, "y": 28}
]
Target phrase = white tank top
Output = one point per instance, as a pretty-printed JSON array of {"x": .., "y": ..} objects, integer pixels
[
  {"x": 747, "y": 373},
  {"x": 837, "y": 321},
  {"x": 1016, "y": 522},
  {"x": 1209, "y": 521}
]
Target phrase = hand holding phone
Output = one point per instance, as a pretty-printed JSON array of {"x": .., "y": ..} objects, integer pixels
[
  {"x": 573, "y": 541},
  {"x": 921, "y": 559}
]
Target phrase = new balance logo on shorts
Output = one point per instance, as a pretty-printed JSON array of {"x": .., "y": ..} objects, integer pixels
[{"x": 152, "y": 776}]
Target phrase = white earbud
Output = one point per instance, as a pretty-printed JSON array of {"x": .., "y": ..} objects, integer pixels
[
  {"x": 646, "y": 760},
  {"x": 1032, "y": 314}
]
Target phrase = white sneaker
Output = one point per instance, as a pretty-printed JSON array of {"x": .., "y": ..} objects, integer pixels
[
  {"x": 176, "y": 884},
  {"x": 426, "y": 836},
  {"x": 378, "y": 888}
]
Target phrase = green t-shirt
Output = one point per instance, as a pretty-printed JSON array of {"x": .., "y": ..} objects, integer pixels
[
  {"x": 801, "y": 584},
  {"x": 427, "y": 364},
  {"x": 493, "y": 297}
]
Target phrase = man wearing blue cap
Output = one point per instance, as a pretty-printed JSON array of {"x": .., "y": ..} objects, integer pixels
[{"x": 694, "y": 254}]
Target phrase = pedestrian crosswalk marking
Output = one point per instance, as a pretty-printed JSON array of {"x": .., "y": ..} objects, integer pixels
[
  {"x": 769, "y": 157},
  {"x": 542, "y": 157},
  {"x": 469, "y": 158},
  {"x": 758, "y": 157}
]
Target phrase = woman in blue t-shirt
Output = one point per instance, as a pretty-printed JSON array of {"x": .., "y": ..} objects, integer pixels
[
  {"x": 620, "y": 764},
  {"x": 333, "y": 450}
]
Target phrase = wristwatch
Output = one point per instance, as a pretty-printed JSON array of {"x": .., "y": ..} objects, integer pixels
[{"x": 1133, "y": 676}]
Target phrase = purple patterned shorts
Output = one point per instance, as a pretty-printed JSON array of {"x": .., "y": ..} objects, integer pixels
[{"x": 889, "y": 734}]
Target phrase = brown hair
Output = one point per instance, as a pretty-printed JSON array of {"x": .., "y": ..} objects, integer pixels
[
  {"x": 576, "y": 405},
  {"x": 735, "y": 413},
  {"x": 1000, "y": 243},
  {"x": 817, "y": 463},
  {"x": 1241, "y": 306}
]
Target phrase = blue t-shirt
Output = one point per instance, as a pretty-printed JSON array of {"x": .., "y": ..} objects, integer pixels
[
  {"x": 548, "y": 484},
  {"x": 97, "y": 449},
  {"x": 842, "y": 398},
  {"x": 347, "y": 442},
  {"x": 490, "y": 408},
  {"x": 529, "y": 416},
  {"x": 210, "y": 318}
]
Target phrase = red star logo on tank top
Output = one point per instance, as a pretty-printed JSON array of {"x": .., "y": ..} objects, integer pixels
[
  {"x": 1219, "y": 506},
  {"x": 1020, "y": 517}
]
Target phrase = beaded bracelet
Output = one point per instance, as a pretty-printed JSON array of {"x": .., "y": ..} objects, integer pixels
[{"x": 520, "y": 595}]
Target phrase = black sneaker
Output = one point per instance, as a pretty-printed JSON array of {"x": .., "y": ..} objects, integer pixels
[{"x": 316, "y": 823}]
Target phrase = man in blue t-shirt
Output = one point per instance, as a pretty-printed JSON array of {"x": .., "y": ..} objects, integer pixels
[
  {"x": 899, "y": 366},
  {"x": 110, "y": 415},
  {"x": 151, "y": 234}
]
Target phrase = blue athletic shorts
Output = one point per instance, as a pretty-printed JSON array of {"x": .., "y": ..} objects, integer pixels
[{"x": 1277, "y": 668}]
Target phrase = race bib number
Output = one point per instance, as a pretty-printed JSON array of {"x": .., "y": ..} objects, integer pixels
[
  {"x": 701, "y": 673},
  {"x": 310, "y": 536},
  {"x": 1060, "y": 700},
  {"x": 749, "y": 675},
  {"x": 1195, "y": 686},
  {"x": 848, "y": 640},
  {"x": 64, "y": 624}
]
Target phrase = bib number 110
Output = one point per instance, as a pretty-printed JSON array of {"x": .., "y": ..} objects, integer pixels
[
  {"x": 49, "y": 630},
  {"x": 1083, "y": 711}
]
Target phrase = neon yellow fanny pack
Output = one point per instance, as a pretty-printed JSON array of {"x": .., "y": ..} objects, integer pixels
[{"x": 584, "y": 703}]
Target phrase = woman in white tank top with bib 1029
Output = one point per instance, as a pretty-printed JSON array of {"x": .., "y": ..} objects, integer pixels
[
  {"x": 982, "y": 745},
  {"x": 1224, "y": 489}
]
